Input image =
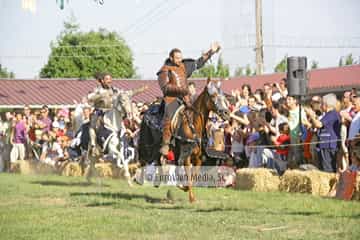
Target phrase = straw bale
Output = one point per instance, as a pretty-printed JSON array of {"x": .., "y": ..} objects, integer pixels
[
  {"x": 71, "y": 169},
  {"x": 257, "y": 179},
  {"x": 314, "y": 182},
  {"x": 102, "y": 170},
  {"x": 22, "y": 167},
  {"x": 44, "y": 168},
  {"x": 120, "y": 172}
]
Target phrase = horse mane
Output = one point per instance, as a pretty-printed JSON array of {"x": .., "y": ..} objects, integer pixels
[{"x": 195, "y": 115}]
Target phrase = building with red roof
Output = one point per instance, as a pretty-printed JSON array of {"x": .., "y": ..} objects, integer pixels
[{"x": 15, "y": 93}]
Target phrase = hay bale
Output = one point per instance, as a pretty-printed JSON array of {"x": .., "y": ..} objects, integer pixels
[
  {"x": 321, "y": 182},
  {"x": 295, "y": 181},
  {"x": 133, "y": 167},
  {"x": 314, "y": 182},
  {"x": 71, "y": 169},
  {"x": 22, "y": 167},
  {"x": 110, "y": 170},
  {"x": 257, "y": 179},
  {"x": 102, "y": 170},
  {"x": 44, "y": 168},
  {"x": 120, "y": 172}
]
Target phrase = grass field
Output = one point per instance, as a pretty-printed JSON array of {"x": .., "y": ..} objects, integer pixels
[{"x": 54, "y": 207}]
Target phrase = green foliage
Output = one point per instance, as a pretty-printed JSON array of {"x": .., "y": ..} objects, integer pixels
[
  {"x": 244, "y": 71},
  {"x": 221, "y": 70},
  {"x": 282, "y": 65},
  {"x": 249, "y": 71},
  {"x": 4, "y": 73},
  {"x": 79, "y": 55},
  {"x": 239, "y": 71},
  {"x": 209, "y": 70},
  {"x": 349, "y": 60},
  {"x": 314, "y": 64}
]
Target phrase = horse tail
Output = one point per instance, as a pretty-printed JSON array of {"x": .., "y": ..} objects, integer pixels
[{"x": 144, "y": 138}]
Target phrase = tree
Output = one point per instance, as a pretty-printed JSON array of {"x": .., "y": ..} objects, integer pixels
[
  {"x": 249, "y": 71},
  {"x": 282, "y": 65},
  {"x": 239, "y": 71},
  {"x": 349, "y": 60},
  {"x": 209, "y": 70},
  {"x": 79, "y": 55},
  {"x": 314, "y": 64},
  {"x": 5, "y": 74},
  {"x": 244, "y": 71},
  {"x": 221, "y": 70}
]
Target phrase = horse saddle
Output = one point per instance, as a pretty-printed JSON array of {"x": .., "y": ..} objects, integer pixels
[{"x": 175, "y": 120}]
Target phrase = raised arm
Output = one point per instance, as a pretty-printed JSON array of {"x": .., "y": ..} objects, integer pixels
[{"x": 192, "y": 65}]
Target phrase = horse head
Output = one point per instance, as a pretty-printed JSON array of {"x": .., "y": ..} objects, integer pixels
[
  {"x": 216, "y": 100},
  {"x": 123, "y": 104}
]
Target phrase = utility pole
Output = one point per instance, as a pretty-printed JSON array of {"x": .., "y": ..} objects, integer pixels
[{"x": 259, "y": 39}]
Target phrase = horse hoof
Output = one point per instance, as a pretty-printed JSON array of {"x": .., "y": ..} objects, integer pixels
[{"x": 184, "y": 188}]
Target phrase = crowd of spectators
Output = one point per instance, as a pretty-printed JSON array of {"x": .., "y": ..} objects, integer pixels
[{"x": 264, "y": 130}]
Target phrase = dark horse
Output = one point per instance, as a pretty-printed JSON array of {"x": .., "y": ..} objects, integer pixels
[{"x": 188, "y": 133}]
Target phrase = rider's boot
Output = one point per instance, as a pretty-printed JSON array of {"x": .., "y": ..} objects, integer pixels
[{"x": 166, "y": 137}]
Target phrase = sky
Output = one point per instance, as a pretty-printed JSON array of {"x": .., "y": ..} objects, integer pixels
[{"x": 322, "y": 30}]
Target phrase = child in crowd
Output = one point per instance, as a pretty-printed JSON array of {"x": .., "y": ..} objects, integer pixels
[
  {"x": 282, "y": 149},
  {"x": 51, "y": 151}
]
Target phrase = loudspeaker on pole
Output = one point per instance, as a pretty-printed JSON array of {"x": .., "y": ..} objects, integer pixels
[{"x": 297, "y": 76}]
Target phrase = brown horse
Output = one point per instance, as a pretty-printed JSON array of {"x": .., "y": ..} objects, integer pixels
[
  {"x": 193, "y": 128},
  {"x": 188, "y": 133}
]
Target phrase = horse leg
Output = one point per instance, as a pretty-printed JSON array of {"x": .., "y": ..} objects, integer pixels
[
  {"x": 113, "y": 149},
  {"x": 92, "y": 169},
  {"x": 189, "y": 179}
]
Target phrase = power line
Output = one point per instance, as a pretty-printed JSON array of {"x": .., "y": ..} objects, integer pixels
[
  {"x": 238, "y": 47},
  {"x": 151, "y": 53},
  {"x": 140, "y": 20},
  {"x": 145, "y": 26},
  {"x": 310, "y": 46}
]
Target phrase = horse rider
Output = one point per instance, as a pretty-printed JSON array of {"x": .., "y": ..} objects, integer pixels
[
  {"x": 172, "y": 78},
  {"x": 101, "y": 100}
]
